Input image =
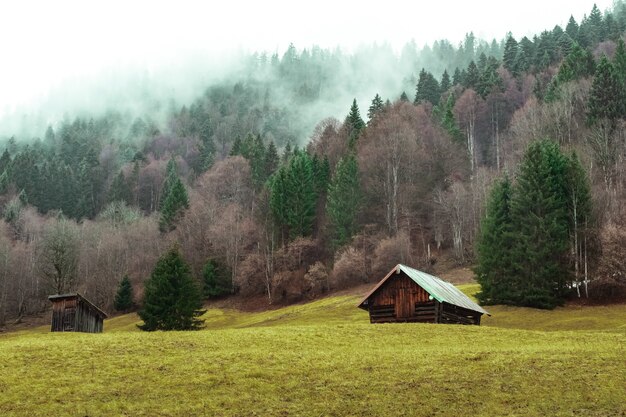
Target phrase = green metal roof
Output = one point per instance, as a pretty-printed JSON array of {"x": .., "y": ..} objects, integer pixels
[{"x": 440, "y": 290}]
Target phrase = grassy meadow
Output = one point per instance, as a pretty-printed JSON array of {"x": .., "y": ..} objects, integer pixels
[{"x": 325, "y": 359}]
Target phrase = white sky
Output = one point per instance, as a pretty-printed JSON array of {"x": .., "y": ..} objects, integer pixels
[{"x": 45, "y": 42}]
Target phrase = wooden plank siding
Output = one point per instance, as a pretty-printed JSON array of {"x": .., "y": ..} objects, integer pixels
[
  {"x": 458, "y": 315},
  {"x": 400, "y": 299},
  {"x": 73, "y": 313}
]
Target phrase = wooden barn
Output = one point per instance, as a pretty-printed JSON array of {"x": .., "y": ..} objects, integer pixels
[
  {"x": 74, "y": 313},
  {"x": 409, "y": 295}
]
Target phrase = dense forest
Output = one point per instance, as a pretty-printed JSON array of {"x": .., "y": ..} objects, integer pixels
[{"x": 265, "y": 194}]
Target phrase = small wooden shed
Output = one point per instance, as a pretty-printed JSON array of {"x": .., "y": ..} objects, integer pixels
[
  {"x": 408, "y": 295},
  {"x": 74, "y": 313}
]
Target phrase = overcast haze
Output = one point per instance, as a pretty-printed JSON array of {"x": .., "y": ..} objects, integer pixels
[{"x": 45, "y": 44}]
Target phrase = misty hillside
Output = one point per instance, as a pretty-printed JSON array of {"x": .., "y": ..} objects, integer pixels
[{"x": 292, "y": 174}]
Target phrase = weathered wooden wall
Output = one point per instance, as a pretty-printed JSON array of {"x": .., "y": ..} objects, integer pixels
[
  {"x": 400, "y": 299},
  {"x": 458, "y": 315},
  {"x": 75, "y": 315},
  {"x": 64, "y": 315}
]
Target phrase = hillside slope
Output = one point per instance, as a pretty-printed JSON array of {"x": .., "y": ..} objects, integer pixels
[{"x": 324, "y": 358}]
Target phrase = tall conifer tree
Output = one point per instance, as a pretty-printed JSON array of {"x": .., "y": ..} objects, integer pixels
[
  {"x": 344, "y": 199},
  {"x": 172, "y": 300}
]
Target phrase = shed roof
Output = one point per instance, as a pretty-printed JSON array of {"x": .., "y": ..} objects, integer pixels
[
  {"x": 77, "y": 295},
  {"x": 440, "y": 290}
]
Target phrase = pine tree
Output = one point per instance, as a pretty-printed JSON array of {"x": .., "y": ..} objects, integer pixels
[
  {"x": 376, "y": 107},
  {"x": 578, "y": 64},
  {"x": 472, "y": 76},
  {"x": 85, "y": 203},
  {"x": 540, "y": 218},
  {"x": 207, "y": 153},
  {"x": 344, "y": 199},
  {"x": 445, "y": 112},
  {"x": 456, "y": 77},
  {"x": 124, "y": 297},
  {"x": 445, "y": 82},
  {"x": 171, "y": 174},
  {"x": 595, "y": 26},
  {"x": 287, "y": 153},
  {"x": 404, "y": 97},
  {"x": 572, "y": 28},
  {"x": 271, "y": 160},
  {"x": 5, "y": 160},
  {"x": 301, "y": 196},
  {"x": 321, "y": 174},
  {"x": 216, "y": 280},
  {"x": 354, "y": 123},
  {"x": 278, "y": 198},
  {"x": 606, "y": 97},
  {"x": 565, "y": 44},
  {"x": 525, "y": 54},
  {"x": 175, "y": 203},
  {"x": 172, "y": 300},
  {"x": 510, "y": 53},
  {"x": 489, "y": 78},
  {"x": 427, "y": 89},
  {"x": 619, "y": 67},
  {"x": 495, "y": 272}
]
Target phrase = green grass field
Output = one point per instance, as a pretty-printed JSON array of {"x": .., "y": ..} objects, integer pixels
[{"x": 325, "y": 359}]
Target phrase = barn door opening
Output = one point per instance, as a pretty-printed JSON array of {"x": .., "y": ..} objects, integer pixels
[{"x": 404, "y": 303}]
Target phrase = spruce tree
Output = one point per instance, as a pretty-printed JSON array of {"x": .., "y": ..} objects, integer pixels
[
  {"x": 404, "y": 97},
  {"x": 172, "y": 301},
  {"x": 495, "y": 272},
  {"x": 619, "y": 67},
  {"x": 207, "y": 153},
  {"x": 445, "y": 112},
  {"x": 175, "y": 203},
  {"x": 540, "y": 217},
  {"x": 354, "y": 123},
  {"x": 472, "y": 76},
  {"x": 216, "y": 280},
  {"x": 376, "y": 107},
  {"x": 572, "y": 28},
  {"x": 5, "y": 160},
  {"x": 510, "y": 54},
  {"x": 124, "y": 297},
  {"x": 427, "y": 89},
  {"x": 301, "y": 197},
  {"x": 171, "y": 174},
  {"x": 344, "y": 199},
  {"x": 84, "y": 206},
  {"x": 287, "y": 153},
  {"x": 595, "y": 26},
  {"x": 606, "y": 97},
  {"x": 445, "y": 82},
  {"x": 278, "y": 199},
  {"x": 271, "y": 160}
]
